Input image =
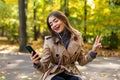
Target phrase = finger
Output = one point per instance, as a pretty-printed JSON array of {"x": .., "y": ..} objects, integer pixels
[
  {"x": 35, "y": 55},
  {"x": 31, "y": 56},
  {"x": 37, "y": 58},
  {"x": 98, "y": 45},
  {"x": 96, "y": 39},
  {"x": 35, "y": 61},
  {"x": 32, "y": 53},
  {"x": 101, "y": 46},
  {"x": 99, "y": 39}
]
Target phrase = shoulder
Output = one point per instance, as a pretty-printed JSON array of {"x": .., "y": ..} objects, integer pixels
[
  {"x": 78, "y": 36},
  {"x": 48, "y": 37},
  {"x": 77, "y": 33},
  {"x": 48, "y": 41}
]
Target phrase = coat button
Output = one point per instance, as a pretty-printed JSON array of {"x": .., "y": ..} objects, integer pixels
[
  {"x": 75, "y": 52},
  {"x": 57, "y": 55},
  {"x": 72, "y": 63},
  {"x": 56, "y": 63},
  {"x": 51, "y": 73}
]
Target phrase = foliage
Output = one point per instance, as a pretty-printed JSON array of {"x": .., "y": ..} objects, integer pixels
[
  {"x": 9, "y": 20},
  {"x": 102, "y": 18}
]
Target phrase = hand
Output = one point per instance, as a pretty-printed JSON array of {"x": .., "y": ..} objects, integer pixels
[
  {"x": 35, "y": 58},
  {"x": 97, "y": 45}
]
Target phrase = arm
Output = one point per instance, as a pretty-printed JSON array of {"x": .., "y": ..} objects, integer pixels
[
  {"x": 84, "y": 59},
  {"x": 43, "y": 63}
]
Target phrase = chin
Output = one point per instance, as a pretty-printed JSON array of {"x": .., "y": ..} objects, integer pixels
[{"x": 58, "y": 31}]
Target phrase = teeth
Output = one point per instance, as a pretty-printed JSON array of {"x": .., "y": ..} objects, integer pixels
[{"x": 57, "y": 28}]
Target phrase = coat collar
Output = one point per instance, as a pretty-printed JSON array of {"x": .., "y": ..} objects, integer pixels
[
  {"x": 72, "y": 37},
  {"x": 57, "y": 40},
  {"x": 73, "y": 45}
]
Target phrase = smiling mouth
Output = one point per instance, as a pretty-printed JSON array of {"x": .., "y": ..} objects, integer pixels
[{"x": 57, "y": 28}]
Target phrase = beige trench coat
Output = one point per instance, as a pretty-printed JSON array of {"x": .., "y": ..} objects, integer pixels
[{"x": 57, "y": 59}]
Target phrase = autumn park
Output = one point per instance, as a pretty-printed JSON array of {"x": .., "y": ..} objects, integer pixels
[{"x": 23, "y": 22}]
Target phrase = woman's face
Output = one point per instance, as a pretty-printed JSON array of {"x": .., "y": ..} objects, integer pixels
[{"x": 56, "y": 24}]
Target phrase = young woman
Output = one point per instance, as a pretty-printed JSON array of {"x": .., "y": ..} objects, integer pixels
[{"x": 62, "y": 49}]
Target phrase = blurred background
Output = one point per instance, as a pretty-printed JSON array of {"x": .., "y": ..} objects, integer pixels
[{"x": 23, "y": 22}]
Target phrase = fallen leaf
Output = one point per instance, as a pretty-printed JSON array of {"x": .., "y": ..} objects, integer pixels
[
  {"x": 91, "y": 78},
  {"x": 3, "y": 72},
  {"x": 24, "y": 77},
  {"x": 86, "y": 73},
  {"x": 103, "y": 74},
  {"x": 2, "y": 77},
  {"x": 29, "y": 78},
  {"x": 15, "y": 72},
  {"x": 106, "y": 58}
]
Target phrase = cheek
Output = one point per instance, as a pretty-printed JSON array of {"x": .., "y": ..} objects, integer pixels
[
  {"x": 62, "y": 26},
  {"x": 52, "y": 28}
]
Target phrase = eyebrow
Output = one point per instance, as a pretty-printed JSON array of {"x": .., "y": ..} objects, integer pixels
[{"x": 53, "y": 20}]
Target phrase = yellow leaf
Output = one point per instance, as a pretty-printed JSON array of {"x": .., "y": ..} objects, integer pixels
[
  {"x": 91, "y": 78},
  {"x": 15, "y": 73},
  {"x": 11, "y": 1},
  {"x": 24, "y": 76},
  {"x": 3, "y": 72},
  {"x": 106, "y": 11},
  {"x": 29, "y": 78},
  {"x": 103, "y": 74},
  {"x": 3, "y": 77},
  {"x": 106, "y": 58}
]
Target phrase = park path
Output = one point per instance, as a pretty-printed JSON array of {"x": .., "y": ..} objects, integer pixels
[{"x": 19, "y": 67}]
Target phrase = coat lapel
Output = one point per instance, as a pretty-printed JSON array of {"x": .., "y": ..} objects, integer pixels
[
  {"x": 73, "y": 46},
  {"x": 62, "y": 52},
  {"x": 60, "y": 48}
]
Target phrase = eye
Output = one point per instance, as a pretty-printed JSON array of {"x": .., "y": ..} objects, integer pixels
[
  {"x": 56, "y": 20},
  {"x": 51, "y": 24}
]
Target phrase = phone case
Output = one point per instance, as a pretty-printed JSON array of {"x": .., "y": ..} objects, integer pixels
[{"x": 30, "y": 49}]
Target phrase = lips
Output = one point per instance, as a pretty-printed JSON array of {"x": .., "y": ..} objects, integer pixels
[{"x": 57, "y": 28}]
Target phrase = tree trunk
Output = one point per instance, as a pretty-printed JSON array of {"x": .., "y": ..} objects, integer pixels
[
  {"x": 22, "y": 28},
  {"x": 35, "y": 29},
  {"x": 64, "y": 6},
  {"x": 85, "y": 19},
  {"x": 2, "y": 32},
  {"x": 66, "y": 9}
]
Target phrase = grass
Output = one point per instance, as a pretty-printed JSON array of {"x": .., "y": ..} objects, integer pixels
[{"x": 2, "y": 79}]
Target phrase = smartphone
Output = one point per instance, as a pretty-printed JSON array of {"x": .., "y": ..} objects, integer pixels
[{"x": 30, "y": 49}]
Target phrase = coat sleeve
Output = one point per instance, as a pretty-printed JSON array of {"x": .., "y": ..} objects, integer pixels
[
  {"x": 46, "y": 58},
  {"x": 83, "y": 59}
]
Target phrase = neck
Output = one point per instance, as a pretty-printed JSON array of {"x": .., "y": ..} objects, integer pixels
[{"x": 63, "y": 32}]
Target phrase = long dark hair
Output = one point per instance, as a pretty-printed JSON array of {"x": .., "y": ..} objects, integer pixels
[{"x": 63, "y": 18}]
